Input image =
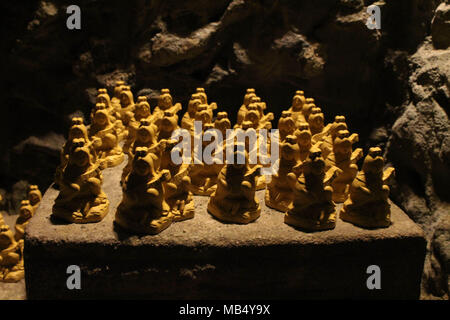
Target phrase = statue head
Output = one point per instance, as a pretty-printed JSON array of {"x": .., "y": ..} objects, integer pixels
[
  {"x": 126, "y": 97},
  {"x": 103, "y": 97},
  {"x": 118, "y": 88},
  {"x": 101, "y": 115},
  {"x": 342, "y": 146},
  {"x": 315, "y": 164},
  {"x": 286, "y": 122},
  {"x": 78, "y": 129},
  {"x": 193, "y": 104},
  {"x": 26, "y": 210},
  {"x": 374, "y": 162},
  {"x": 142, "y": 163},
  {"x": 202, "y": 95},
  {"x": 298, "y": 101},
  {"x": 303, "y": 134},
  {"x": 169, "y": 121},
  {"x": 144, "y": 133},
  {"x": 249, "y": 95},
  {"x": 34, "y": 194},
  {"x": 203, "y": 114},
  {"x": 165, "y": 99},
  {"x": 142, "y": 108}
]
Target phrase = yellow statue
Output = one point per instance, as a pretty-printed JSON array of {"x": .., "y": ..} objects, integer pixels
[
  {"x": 296, "y": 109},
  {"x": 165, "y": 103},
  {"x": 105, "y": 139},
  {"x": 307, "y": 108},
  {"x": 204, "y": 99},
  {"x": 144, "y": 209},
  {"x": 345, "y": 159},
  {"x": 34, "y": 196},
  {"x": 234, "y": 200},
  {"x": 81, "y": 199},
  {"x": 26, "y": 212},
  {"x": 115, "y": 101},
  {"x": 187, "y": 122},
  {"x": 77, "y": 131},
  {"x": 279, "y": 195},
  {"x": 316, "y": 121},
  {"x": 141, "y": 112},
  {"x": 178, "y": 194},
  {"x": 312, "y": 208},
  {"x": 243, "y": 109},
  {"x": 367, "y": 205},
  {"x": 222, "y": 123},
  {"x": 286, "y": 125},
  {"x": 11, "y": 255}
]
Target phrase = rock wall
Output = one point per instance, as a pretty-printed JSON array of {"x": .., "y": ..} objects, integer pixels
[{"x": 392, "y": 84}]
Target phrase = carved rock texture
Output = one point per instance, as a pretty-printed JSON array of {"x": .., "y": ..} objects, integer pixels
[{"x": 391, "y": 84}]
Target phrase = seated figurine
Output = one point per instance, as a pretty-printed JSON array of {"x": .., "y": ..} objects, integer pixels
[
  {"x": 34, "y": 196},
  {"x": 178, "y": 194},
  {"x": 103, "y": 97},
  {"x": 312, "y": 208},
  {"x": 11, "y": 256},
  {"x": 105, "y": 139},
  {"x": 26, "y": 212},
  {"x": 222, "y": 123},
  {"x": 77, "y": 131},
  {"x": 203, "y": 175},
  {"x": 187, "y": 122},
  {"x": 243, "y": 109},
  {"x": 234, "y": 200},
  {"x": 165, "y": 103},
  {"x": 204, "y": 99},
  {"x": 141, "y": 112},
  {"x": 286, "y": 125},
  {"x": 279, "y": 195},
  {"x": 81, "y": 199},
  {"x": 296, "y": 109},
  {"x": 316, "y": 121},
  {"x": 307, "y": 108},
  {"x": 115, "y": 100},
  {"x": 145, "y": 137},
  {"x": 143, "y": 208},
  {"x": 367, "y": 205},
  {"x": 345, "y": 159}
]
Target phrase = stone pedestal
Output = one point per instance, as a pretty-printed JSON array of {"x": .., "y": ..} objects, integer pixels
[{"x": 203, "y": 258}]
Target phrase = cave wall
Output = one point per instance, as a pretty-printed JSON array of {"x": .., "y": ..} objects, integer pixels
[{"x": 391, "y": 84}]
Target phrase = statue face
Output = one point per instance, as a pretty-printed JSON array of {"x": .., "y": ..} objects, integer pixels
[
  {"x": 76, "y": 132},
  {"x": 81, "y": 157},
  {"x": 166, "y": 101},
  {"x": 304, "y": 137},
  {"x": 34, "y": 198},
  {"x": 141, "y": 167},
  {"x": 142, "y": 111},
  {"x": 100, "y": 118},
  {"x": 25, "y": 212},
  {"x": 124, "y": 100},
  {"x": 167, "y": 125},
  {"x": 143, "y": 135}
]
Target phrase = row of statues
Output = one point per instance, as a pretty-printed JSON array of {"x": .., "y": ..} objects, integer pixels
[
  {"x": 12, "y": 243},
  {"x": 317, "y": 166}
]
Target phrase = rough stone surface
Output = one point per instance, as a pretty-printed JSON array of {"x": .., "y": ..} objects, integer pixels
[{"x": 204, "y": 258}]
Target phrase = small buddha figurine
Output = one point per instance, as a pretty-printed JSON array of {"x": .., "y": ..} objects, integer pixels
[
  {"x": 296, "y": 109},
  {"x": 146, "y": 136},
  {"x": 141, "y": 111},
  {"x": 143, "y": 208},
  {"x": 279, "y": 195},
  {"x": 187, "y": 122},
  {"x": 11, "y": 256},
  {"x": 34, "y": 196},
  {"x": 316, "y": 121},
  {"x": 178, "y": 194},
  {"x": 367, "y": 205},
  {"x": 77, "y": 131},
  {"x": 167, "y": 125},
  {"x": 165, "y": 103},
  {"x": 203, "y": 175},
  {"x": 103, "y": 97},
  {"x": 105, "y": 139},
  {"x": 204, "y": 98},
  {"x": 222, "y": 123},
  {"x": 26, "y": 212},
  {"x": 126, "y": 111},
  {"x": 81, "y": 199},
  {"x": 264, "y": 119},
  {"x": 345, "y": 159},
  {"x": 307, "y": 108},
  {"x": 243, "y": 109},
  {"x": 312, "y": 208},
  {"x": 286, "y": 125},
  {"x": 115, "y": 101},
  {"x": 234, "y": 200}
]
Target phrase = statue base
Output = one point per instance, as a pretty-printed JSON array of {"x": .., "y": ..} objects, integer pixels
[{"x": 203, "y": 258}]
